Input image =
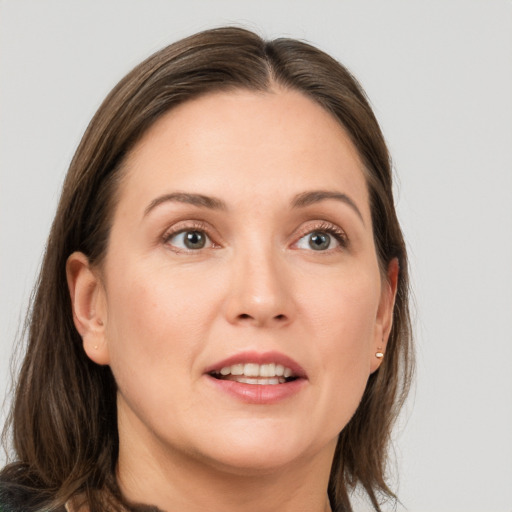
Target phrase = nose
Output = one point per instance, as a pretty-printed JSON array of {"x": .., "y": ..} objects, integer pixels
[{"x": 260, "y": 292}]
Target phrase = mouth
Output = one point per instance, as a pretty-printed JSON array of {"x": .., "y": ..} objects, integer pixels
[
  {"x": 268, "y": 374},
  {"x": 258, "y": 377}
]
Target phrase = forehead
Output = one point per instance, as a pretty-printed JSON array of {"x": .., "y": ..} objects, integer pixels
[{"x": 278, "y": 140}]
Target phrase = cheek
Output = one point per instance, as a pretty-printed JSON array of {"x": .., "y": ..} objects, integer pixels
[
  {"x": 155, "y": 331},
  {"x": 343, "y": 312},
  {"x": 155, "y": 319},
  {"x": 343, "y": 317}
]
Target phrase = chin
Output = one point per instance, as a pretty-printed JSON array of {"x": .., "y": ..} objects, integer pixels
[
  {"x": 256, "y": 450},
  {"x": 252, "y": 463}
]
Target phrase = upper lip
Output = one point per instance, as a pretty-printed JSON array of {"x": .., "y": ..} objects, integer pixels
[{"x": 259, "y": 358}]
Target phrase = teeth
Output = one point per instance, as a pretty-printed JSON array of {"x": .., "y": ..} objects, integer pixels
[
  {"x": 271, "y": 381},
  {"x": 268, "y": 381},
  {"x": 256, "y": 370},
  {"x": 237, "y": 369},
  {"x": 268, "y": 370},
  {"x": 252, "y": 370}
]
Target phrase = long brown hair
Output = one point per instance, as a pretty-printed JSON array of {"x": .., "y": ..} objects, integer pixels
[{"x": 63, "y": 421}]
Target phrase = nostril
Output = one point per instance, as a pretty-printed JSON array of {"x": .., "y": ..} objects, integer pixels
[{"x": 261, "y": 319}]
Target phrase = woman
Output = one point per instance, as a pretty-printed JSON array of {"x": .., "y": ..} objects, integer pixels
[{"x": 221, "y": 320}]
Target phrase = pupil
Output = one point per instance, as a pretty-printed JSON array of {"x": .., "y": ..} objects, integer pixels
[
  {"x": 319, "y": 241},
  {"x": 194, "y": 240}
]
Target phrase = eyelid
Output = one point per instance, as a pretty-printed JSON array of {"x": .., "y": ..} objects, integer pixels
[
  {"x": 324, "y": 226},
  {"x": 198, "y": 225},
  {"x": 189, "y": 225}
]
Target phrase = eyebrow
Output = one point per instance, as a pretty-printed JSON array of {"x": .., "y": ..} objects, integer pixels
[
  {"x": 316, "y": 196},
  {"x": 299, "y": 201},
  {"x": 185, "y": 197}
]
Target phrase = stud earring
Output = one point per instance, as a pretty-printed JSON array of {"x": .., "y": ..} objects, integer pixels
[
  {"x": 379, "y": 354},
  {"x": 95, "y": 347}
]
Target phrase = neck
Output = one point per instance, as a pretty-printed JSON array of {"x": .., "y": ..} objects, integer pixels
[
  {"x": 222, "y": 492},
  {"x": 170, "y": 480}
]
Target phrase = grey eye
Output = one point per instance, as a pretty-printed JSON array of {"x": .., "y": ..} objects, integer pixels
[
  {"x": 190, "y": 240},
  {"x": 194, "y": 239},
  {"x": 317, "y": 241}
]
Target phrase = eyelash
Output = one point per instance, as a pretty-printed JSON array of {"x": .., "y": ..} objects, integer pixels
[
  {"x": 183, "y": 228},
  {"x": 323, "y": 227},
  {"x": 326, "y": 227}
]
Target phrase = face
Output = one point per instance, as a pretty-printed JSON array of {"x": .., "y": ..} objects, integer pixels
[{"x": 241, "y": 303}]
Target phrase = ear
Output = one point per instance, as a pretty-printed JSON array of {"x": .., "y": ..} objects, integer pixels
[
  {"x": 88, "y": 302},
  {"x": 384, "y": 320}
]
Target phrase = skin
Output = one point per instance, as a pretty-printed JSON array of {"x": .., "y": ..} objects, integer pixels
[{"x": 159, "y": 313}]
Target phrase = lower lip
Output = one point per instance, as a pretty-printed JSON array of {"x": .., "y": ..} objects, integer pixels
[{"x": 258, "y": 393}]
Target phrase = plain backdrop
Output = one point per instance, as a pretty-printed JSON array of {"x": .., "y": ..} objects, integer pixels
[{"x": 439, "y": 75}]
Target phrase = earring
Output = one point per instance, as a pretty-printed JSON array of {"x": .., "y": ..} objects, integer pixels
[
  {"x": 379, "y": 354},
  {"x": 95, "y": 347}
]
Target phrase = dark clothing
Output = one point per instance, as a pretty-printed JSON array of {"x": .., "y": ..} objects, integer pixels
[{"x": 15, "y": 498}]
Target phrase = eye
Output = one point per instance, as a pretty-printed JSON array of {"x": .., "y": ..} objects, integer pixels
[
  {"x": 316, "y": 240},
  {"x": 323, "y": 238},
  {"x": 189, "y": 240}
]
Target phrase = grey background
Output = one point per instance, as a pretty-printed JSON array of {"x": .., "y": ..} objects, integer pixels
[{"x": 439, "y": 75}]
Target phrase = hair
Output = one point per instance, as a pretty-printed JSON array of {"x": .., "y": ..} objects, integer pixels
[{"x": 63, "y": 421}]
